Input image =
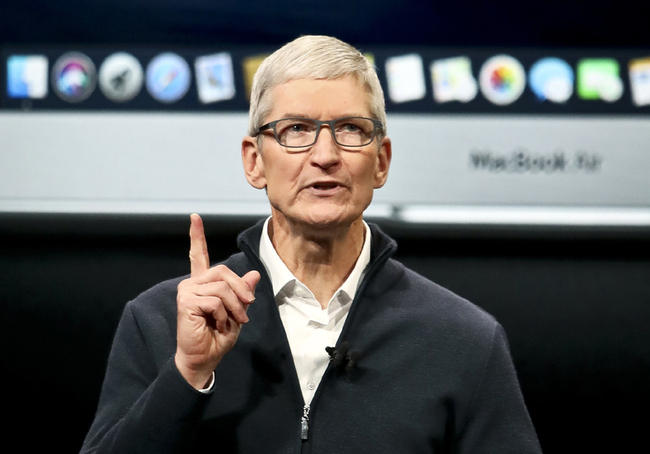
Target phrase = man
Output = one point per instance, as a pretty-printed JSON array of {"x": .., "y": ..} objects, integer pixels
[{"x": 233, "y": 359}]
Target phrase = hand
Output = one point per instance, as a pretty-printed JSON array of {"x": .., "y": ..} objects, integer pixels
[{"x": 212, "y": 306}]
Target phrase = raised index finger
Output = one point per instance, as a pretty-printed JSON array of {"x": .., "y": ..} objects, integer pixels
[{"x": 199, "y": 258}]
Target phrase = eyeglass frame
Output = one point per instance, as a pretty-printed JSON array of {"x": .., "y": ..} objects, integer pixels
[{"x": 319, "y": 125}]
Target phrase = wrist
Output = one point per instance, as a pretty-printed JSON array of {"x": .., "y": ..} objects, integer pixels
[{"x": 198, "y": 378}]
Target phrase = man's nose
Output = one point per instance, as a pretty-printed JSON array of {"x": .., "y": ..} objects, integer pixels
[{"x": 325, "y": 152}]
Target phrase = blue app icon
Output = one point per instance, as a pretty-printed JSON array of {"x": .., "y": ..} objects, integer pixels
[
  {"x": 27, "y": 76},
  {"x": 168, "y": 77},
  {"x": 551, "y": 79}
]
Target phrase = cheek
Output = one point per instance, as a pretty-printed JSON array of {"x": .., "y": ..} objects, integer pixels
[
  {"x": 283, "y": 175},
  {"x": 365, "y": 172}
]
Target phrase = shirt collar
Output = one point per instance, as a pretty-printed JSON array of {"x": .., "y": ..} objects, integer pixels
[{"x": 281, "y": 275}]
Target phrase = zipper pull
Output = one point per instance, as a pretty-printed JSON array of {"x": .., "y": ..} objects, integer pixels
[{"x": 304, "y": 423}]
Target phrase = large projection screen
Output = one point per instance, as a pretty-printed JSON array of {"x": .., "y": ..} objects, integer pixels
[{"x": 467, "y": 169}]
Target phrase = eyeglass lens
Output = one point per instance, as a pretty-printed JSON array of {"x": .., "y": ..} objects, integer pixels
[{"x": 352, "y": 132}]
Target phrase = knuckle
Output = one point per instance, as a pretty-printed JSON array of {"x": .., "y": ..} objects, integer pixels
[
  {"x": 221, "y": 268},
  {"x": 183, "y": 290},
  {"x": 182, "y": 296}
]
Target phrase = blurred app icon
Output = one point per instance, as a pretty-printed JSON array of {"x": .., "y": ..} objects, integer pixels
[
  {"x": 27, "y": 76},
  {"x": 551, "y": 79},
  {"x": 168, "y": 77},
  {"x": 453, "y": 80},
  {"x": 598, "y": 78},
  {"x": 121, "y": 77},
  {"x": 502, "y": 79},
  {"x": 640, "y": 81},
  {"x": 250, "y": 65},
  {"x": 405, "y": 75},
  {"x": 74, "y": 77},
  {"x": 214, "y": 77}
]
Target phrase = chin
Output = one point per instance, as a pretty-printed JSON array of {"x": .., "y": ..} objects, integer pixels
[
  {"x": 330, "y": 219},
  {"x": 322, "y": 217}
]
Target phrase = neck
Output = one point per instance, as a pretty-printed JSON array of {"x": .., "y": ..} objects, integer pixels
[{"x": 322, "y": 259}]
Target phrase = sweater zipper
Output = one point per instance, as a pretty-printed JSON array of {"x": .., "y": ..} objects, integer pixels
[
  {"x": 304, "y": 423},
  {"x": 304, "y": 420}
]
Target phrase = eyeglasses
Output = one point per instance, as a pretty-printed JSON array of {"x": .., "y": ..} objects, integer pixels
[{"x": 298, "y": 134}]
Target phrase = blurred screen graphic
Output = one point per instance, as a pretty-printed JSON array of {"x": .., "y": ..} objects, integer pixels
[{"x": 495, "y": 119}]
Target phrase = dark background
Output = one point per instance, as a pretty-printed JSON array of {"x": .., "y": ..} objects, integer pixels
[
  {"x": 549, "y": 23},
  {"x": 574, "y": 302}
]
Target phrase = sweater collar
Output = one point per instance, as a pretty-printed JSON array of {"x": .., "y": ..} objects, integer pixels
[
  {"x": 382, "y": 246},
  {"x": 281, "y": 276}
]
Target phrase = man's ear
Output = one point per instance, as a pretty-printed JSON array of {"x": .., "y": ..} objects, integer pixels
[
  {"x": 383, "y": 162},
  {"x": 253, "y": 164}
]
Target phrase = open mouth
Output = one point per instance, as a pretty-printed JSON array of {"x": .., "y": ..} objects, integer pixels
[{"x": 325, "y": 186}]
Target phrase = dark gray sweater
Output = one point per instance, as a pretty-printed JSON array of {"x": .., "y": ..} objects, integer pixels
[{"x": 435, "y": 376}]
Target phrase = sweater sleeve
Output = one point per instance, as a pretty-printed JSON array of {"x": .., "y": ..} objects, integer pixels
[
  {"x": 498, "y": 421},
  {"x": 145, "y": 405}
]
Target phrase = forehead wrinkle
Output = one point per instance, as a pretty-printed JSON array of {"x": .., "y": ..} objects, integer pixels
[{"x": 302, "y": 115}]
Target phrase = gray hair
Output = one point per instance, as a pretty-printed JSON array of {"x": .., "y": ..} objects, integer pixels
[{"x": 313, "y": 57}]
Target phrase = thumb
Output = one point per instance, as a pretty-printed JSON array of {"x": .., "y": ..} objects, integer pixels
[{"x": 252, "y": 278}]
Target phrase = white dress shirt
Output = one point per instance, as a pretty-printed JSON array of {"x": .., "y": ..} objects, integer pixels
[{"x": 309, "y": 327}]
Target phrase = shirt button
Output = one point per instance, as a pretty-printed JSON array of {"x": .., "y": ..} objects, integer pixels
[{"x": 311, "y": 385}]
